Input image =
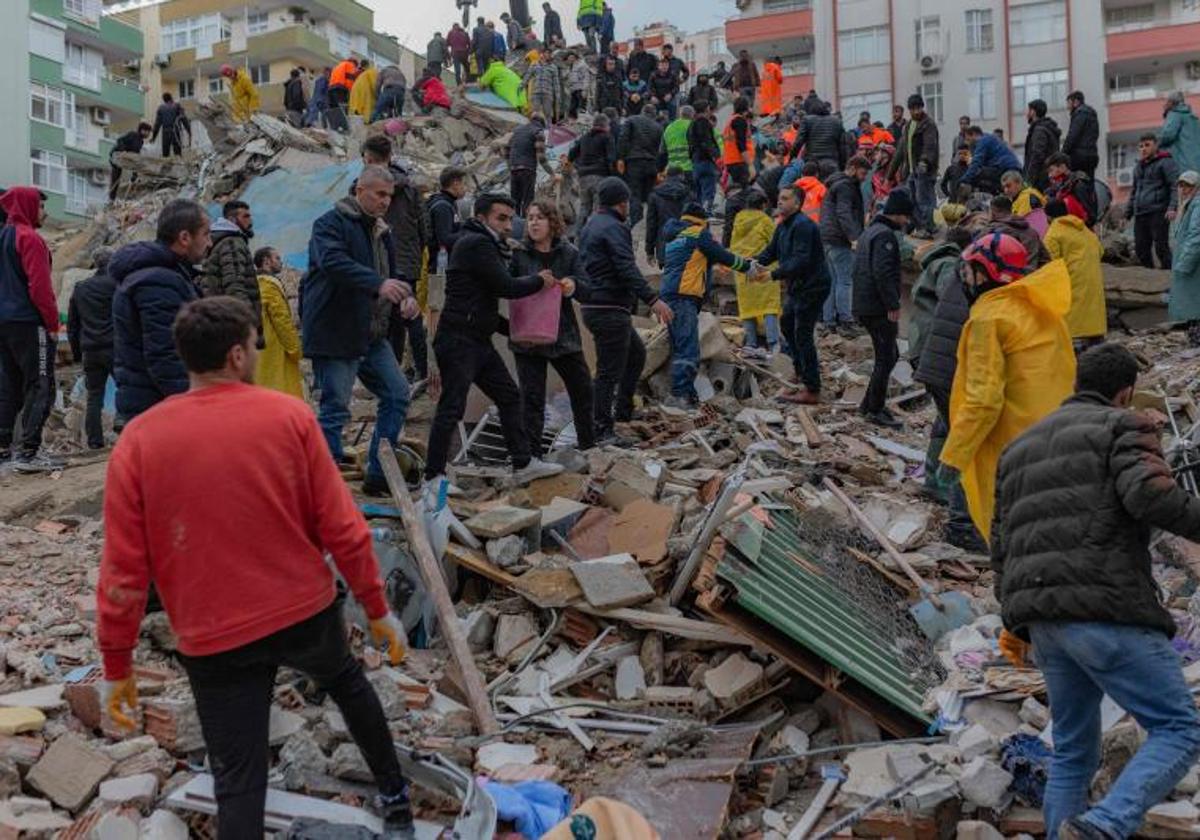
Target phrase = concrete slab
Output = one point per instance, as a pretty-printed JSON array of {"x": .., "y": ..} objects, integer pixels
[{"x": 613, "y": 581}]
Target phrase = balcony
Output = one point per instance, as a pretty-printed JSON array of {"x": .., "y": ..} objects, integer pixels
[
  {"x": 96, "y": 86},
  {"x": 349, "y": 14},
  {"x": 1141, "y": 115},
  {"x": 1162, "y": 38},
  {"x": 296, "y": 43},
  {"x": 91, "y": 78},
  {"x": 777, "y": 32}
]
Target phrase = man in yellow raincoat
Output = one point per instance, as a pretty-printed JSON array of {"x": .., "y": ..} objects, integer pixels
[
  {"x": 757, "y": 301},
  {"x": 362, "y": 92},
  {"x": 1068, "y": 239},
  {"x": 242, "y": 93},
  {"x": 1015, "y": 362},
  {"x": 279, "y": 361}
]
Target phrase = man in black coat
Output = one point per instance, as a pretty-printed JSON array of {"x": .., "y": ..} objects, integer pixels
[
  {"x": 637, "y": 157},
  {"x": 1083, "y": 135},
  {"x": 293, "y": 98},
  {"x": 702, "y": 93},
  {"x": 821, "y": 137},
  {"x": 171, "y": 121},
  {"x": 477, "y": 278},
  {"x": 551, "y": 26},
  {"x": 918, "y": 152},
  {"x": 1078, "y": 496},
  {"x": 594, "y": 157},
  {"x": 876, "y": 301},
  {"x": 443, "y": 222},
  {"x": 1041, "y": 141},
  {"x": 526, "y": 152},
  {"x": 1153, "y": 201},
  {"x": 644, "y": 62},
  {"x": 841, "y": 225},
  {"x": 132, "y": 142},
  {"x": 666, "y": 202},
  {"x": 90, "y": 332},
  {"x": 705, "y": 151}
]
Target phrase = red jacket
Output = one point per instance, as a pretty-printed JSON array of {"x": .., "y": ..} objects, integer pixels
[
  {"x": 26, "y": 293},
  {"x": 459, "y": 42},
  {"x": 226, "y": 498},
  {"x": 434, "y": 92}
]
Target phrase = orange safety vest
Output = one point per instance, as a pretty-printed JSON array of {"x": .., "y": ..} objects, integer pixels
[
  {"x": 344, "y": 74},
  {"x": 731, "y": 154},
  {"x": 814, "y": 194}
]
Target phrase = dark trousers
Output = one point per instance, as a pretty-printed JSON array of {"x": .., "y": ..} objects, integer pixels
[
  {"x": 959, "y": 522},
  {"x": 26, "y": 383},
  {"x": 573, "y": 370},
  {"x": 578, "y": 103},
  {"x": 436, "y": 66},
  {"x": 114, "y": 181},
  {"x": 799, "y": 319},
  {"x": 465, "y": 361},
  {"x": 339, "y": 104},
  {"x": 1152, "y": 231},
  {"x": 462, "y": 69},
  {"x": 390, "y": 103},
  {"x": 97, "y": 367},
  {"x": 233, "y": 692},
  {"x": 883, "y": 332},
  {"x": 640, "y": 175},
  {"x": 170, "y": 142},
  {"x": 739, "y": 173},
  {"x": 620, "y": 357},
  {"x": 523, "y": 183},
  {"x": 412, "y": 330}
]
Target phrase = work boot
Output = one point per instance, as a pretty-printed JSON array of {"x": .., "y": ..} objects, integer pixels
[
  {"x": 375, "y": 486},
  {"x": 37, "y": 462},
  {"x": 884, "y": 418},
  {"x": 800, "y": 396},
  {"x": 397, "y": 815},
  {"x": 535, "y": 469},
  {"x": 1080, "y": 829}
]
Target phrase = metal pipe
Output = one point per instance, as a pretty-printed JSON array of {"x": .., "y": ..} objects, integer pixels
[{"x": 776, "y": 759}]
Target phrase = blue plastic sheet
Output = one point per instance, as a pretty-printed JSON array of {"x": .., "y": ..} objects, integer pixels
[{"x": 533, "y": 807}]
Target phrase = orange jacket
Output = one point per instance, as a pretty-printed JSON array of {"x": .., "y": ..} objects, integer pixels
[
  {"x": 814, "y": 194},
  {"x": 876, "y": 136},
  {"x": 770, "y": 98},
  {"x": 731, "y": 155},
  {"x": 344, "y": 74}
]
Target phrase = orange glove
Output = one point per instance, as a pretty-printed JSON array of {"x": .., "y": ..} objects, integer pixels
[
  {"x": 119, "y": 695},
  {"x": 1015, "y": 650},
  {"x": 388, "y": 633}
]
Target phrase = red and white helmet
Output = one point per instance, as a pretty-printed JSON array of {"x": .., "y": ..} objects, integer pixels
[
  {"x": 226, "y": 70},
  {"x": 1002, "y": 256}
]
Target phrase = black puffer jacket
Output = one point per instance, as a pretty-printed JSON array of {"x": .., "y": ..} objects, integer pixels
[
  {"x": 822, "y": 138},
  {"x": 926, "y": 148},
  {"x": 477, "y": 277},
  {"x": 89, "y": 315},
  {"x": 563, "y": 260},
  {"x": 1082, "y": 136},
  {"x": 595, "y": 153},
  {"x": 939, "y": 356},
  {"x": 666, "y": 202},
  {"x": 842, "y": 210},
  {"x": 1040, "y": 142},
  {"x": 606, "y": 250},
  {"x": 1154, "y": 186},
  {"x": 876, "y": 270},
  {"x": 609, "y": 93},
  {"x": 640, "y": 138},
  {"x": 229, "y": 268},
  {"x": 662, "y": 85},
  {"x": 1076, "y": 497},
  {"x": 702, "y": 94}
]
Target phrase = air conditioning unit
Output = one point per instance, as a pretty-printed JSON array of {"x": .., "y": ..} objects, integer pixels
[
  {"x": 1125, "y": 177},
  {"x": 162, "y": 60},
  {"x": 1193, "y": 70},
  {"x": 101, "y": 116},
  {"x": 931, "y": 63},
  {"x": 98, "y": 177}
]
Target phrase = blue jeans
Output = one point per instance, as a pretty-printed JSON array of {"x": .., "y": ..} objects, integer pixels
[
  {"x": 840, "y": 260},
  {"x": 685, "y": 345},
  {"x": 380, "y": 373},
  {"x": 924, "y": 195},
  {"x": 770, "y": 324},
  {"x": 1138, "y": 668},
  {"x": 389, "y": 104},
  {"x": 704, "y": 172}
]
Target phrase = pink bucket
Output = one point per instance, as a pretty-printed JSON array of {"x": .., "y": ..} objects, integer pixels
[{"x": 534, "y": 319}]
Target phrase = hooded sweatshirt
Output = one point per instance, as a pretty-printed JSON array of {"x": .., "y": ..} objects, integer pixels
[{"x": 26, "y": 294}]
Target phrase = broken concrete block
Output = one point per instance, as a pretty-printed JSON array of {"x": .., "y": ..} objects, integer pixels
[
  {"x": 1180, "y": 816},
  {"x": 301, "y": 756},
  {"x": 491, "y": 757},
  {"x": 732, "y": 678},
  {"x": 514, "y": 636},
  {"x": 973, "y": 742},
  {"x": 163, "y": 825},
  {"x": 70, "y": 772},
  {"x": 629, "y": 474},
  {"x": 560, "y": 515},
  {"x": 612, "y": 581},
  {"x": 43, "y": 697},
  {"x": 122, "y": 750},
  {"x": 984, "y": 783},
  {"x": 904, "y": 764},
  {"x": 998, "y": 718},
  {"x": 138, "y": 791},
  {"x": 925, "y": 796},
  {"x": 642, "y": 529},
  {"x": 347, "y": 762},
  {"x": 977, "y": 830},
  {"x": 501, "y": 521},
  {"x": 21, "y": 719},
  {"x": 283, "y": 725},
  {"x": 506, "y": 551},
  {"x": 630, "y": 682},
  {"x": 867, "y": 775},
  {"x": 1034, "y": 713},
  {"x": 478, "y": 627}
]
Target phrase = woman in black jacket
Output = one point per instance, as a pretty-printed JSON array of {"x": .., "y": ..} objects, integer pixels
[{"x": 544, "y": 248}]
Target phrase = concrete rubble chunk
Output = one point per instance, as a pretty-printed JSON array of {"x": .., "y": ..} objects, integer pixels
[
  {"x": 138, "y": 790},
  {"x": 973, "y": 742},
  {"x": 1034, "y": 712},
  {"x": 1000, "y": 719},
  {"x": 10, "y": 778},
  {"x": 44, "y": 697},
  {"x": 163, "y": 825},
  {"x": 347, "y": 762},
  {"x": 491, "y": 757},
  {"x": 925, "y": 796},
  {"x": 14, "y": 721},
  {"x": 631, "y": 679},
  {"x": 514, "y": 636},
  {"x": 506, "y": 552},
  {"x": 69, "y": 772},
  {"x": 904, "y": 764},
  {"x": 122, "y": 750},
  {"x": 984, "y": 783},
  {"x": 867, "y": 775},
  {"x": 478, "y": 627},
  {"x": 612, "y": 581},
  {"x": 502, "y": 520},
  {"x": 977, "y": 830},
  {"x": 22, "y": 816},
  {"x": 732, "y": 677},
  {"x": 283, "y": 725},
  {"x": 115, "y": 826}
]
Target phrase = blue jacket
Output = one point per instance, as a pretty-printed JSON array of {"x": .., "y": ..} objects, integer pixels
[
  {"x": 991, "y": 151},
  {"x": 153, "y": 284},
  {"x": 689, "y": 255},
  {"x": 341, "y": 285},
  {"x": 606, "y": 248},
  {"x": 796, "y": 246},
  {"x": 608, "y": 25},
  {"x": 499, "y": 48}
]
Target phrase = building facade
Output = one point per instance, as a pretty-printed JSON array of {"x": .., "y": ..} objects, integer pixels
[
  {"x": 985, "y": 59},
  {"x": 78, "y": 91}
]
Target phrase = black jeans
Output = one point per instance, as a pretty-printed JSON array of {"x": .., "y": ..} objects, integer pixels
[
  {"x": 523, "y": 183},
  {"x": 883, "y": 332},
  {"x": 1152, "y": 230},
  {"x": 799, "y": 319},
  {"x": 620, "y": 357},
  {"x": 114, "y": 181},
  {"x": 640, "y": 175},
  {"x": 465, "y": 361},
  {"x": 739, "y": 173},
  {"x": 170, "y": 142},
  {"x": 26, "y": 383},
  {"x": 400, "y": 329},
  {"x": 578, "y": 103},
  {"x": 339, "y": 105},
  {"x": 97, "y": 367},
  {"x": 531, "y": 374},
  {"x": 233, "y": 692}
]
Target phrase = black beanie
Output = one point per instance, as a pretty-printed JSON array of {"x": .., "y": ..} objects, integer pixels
[
  {"x": 899, "y": 203},
  {"x": 612, "y": 191}
]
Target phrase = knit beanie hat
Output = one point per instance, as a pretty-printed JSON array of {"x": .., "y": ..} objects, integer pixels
[
  {"x": 899, "y": 203},
  {"x": 612, "y": 191}
]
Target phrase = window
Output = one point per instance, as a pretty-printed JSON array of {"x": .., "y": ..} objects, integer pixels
[
  {"x": 215, "y": 84},
  {"x": 381, "y": 60},
  {"x": 797, "y": 65},
  {"x": 256, "y": 23},
  {"x": 1129, "y": 17},
  {"x": 1050, "y": 85},
  {"x": 50, "y": 104},
  {"x": 860, "y": 47},
  {"x": 187, "y": 88},
  {"x": 979, "y": 30},
  {"x": 1037, "y": 23},
  {"x": 981, "y": 98},
  {"x": 716, "y": 44},
  {"x": 260, "y": 74},
  {"x": 49, "y": 170},
  {"x": 1121, "y": 156},
  {"x": 46, "y": 40},
  {"x": 931, "y": 92},
  {"x": 193, "y": 32},
  {"x": 1128, "y": 87},
  {"x": 342, "y": 42},
  {"x": 928, "y": 35},
  {"x": 879, "y": 104},
  {"x": 770, "y": 6}
]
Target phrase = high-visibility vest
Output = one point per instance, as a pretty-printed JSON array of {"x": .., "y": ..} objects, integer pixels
[
  {"x": 590, "y": 7},
  {"x": 731, "y": 154},
  {"x": 675, "y": 141}
]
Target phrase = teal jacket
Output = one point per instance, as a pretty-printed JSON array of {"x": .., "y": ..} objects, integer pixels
[
  {"x": 1184, "y": 302},
  {"x": 1180, "y": 135}
]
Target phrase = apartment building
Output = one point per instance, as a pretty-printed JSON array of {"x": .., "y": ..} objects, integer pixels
[
  {"x": 187, "y": 41},
  {"x": 70, "y": 78},
  {"x": 986, "y": 59}
]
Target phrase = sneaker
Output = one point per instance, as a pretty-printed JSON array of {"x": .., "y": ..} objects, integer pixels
[
  {"x": 679, "y": 403},
  {"x": 418, "y": 388},
  {"x": 613, "y": 439},
  {"x": 396, "y": 811},
  {"x": 1077, "y": 828},
  {"x": 535, "y": 469},
  {"x": 884, "y": 418},
  {"x": 37, "y": 462},
  {"x": 375, "y": 486}
]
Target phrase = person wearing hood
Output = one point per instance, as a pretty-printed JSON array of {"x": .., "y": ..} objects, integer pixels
[
  {"x": 1015, "y": 364},
  {"x": 813, "y": 189},
  {"x": 90, "y": 332},
  {"x": 551, "y": 25},
  {"x": 28, "y": 329},
  {"x": 702, "y": 92},
  {"x": 229, "y": 267},
  {"x": 842, "y": 217},
  {"x": 744, "y": 76},
  {"x": 1183, "y": 304},
  {"x": 154, "y": 280},
  {"x": 430, "y": 92},
  {"x": 1180, "y": 132},
  {"x": 690, "y": 253},
  {"x": 1082, "y": 135},
  {"x": 1152, "y": 202},
  {"x": 812, "y": 102},
  {"x": 771, "y": 89},
  {"x": 952, "y": 177},
  {"x": 1002, "y": 220},
  {"x": 1025, "y": 199},
  {"x": 882, "y": 182},
  {"x": 758, "y": 300},
  {"x": 667, "y": 202},
  {"x": 1069, "y": 240},
  {"x": 243, "y": 93},
  {"x": 459, "y": 43},
  {"x": 610, "y": 86},
  {"x": 346, "y": 301},
  {"x": 1041, "y": 141},
  {"x": 990, "y": 158},
  {"x": 392, "y": 85},
  {"x": 279, "y": 362}
]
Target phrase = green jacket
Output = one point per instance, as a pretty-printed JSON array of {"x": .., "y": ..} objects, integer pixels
[
  {"x": 1180, "y": 135},
  {"x": 674, "y": 146},
  {"x": 939, "y": 268},
  {"x": 590, "y": 7},
  {"x": 1184, "y": 303}
]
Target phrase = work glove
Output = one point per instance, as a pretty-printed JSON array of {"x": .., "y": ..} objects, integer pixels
[
  {"x": 118, "y": 695},
  {"x": 1015, "y": 649},
  {"x": 388, "y": 634}
]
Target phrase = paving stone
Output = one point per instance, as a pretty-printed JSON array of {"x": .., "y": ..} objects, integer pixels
[
  {"x": 630, "y": 681},
  {"x": 612, "y": 581},
  {"x": 138, "y": 790},
  {"x": 501, "y": 521},
  {"x": 985, "y": 783},
  {"x": 732, "y": 677},
  {"x": 70, "y": 772}
]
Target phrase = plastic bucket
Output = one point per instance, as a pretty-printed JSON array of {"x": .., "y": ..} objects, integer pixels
[{"x": 534, "y": 319}]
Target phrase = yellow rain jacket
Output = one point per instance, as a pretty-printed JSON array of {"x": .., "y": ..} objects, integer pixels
[
  {"x": 1068, "y": 239},
  {"x": 1023, "y": 204},
  {"x": 1015, "y": 366},
  {"x": 362, "y": 95},
  {"x": 752, "y": 230},
  {"x": 278, "y": 362},
  {"x": 243, "y": 96}
]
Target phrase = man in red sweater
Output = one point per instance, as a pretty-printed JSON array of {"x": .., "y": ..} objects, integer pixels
[{"x": 226, "y": 499}]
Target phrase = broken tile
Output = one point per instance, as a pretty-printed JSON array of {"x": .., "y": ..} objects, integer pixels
[
  {"x": 70, "y": 772},
  {"x": 138, "y": 791},
  {"x": 501, "y": 521},
  {"x": 642, "y": 529},
  {"x": 561, "y": 514},
  {"x": 43, "y": 697},
  {"x": 732, "y": 678},
  {"x": 630, "y": 681},
  {"x": 613, "y": 581}
]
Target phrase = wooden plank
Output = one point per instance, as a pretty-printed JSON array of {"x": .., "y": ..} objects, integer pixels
[{"x": 811, "y": 432}]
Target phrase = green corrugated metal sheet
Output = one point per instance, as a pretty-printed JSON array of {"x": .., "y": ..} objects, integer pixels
[{"x": 776, "y": 579}]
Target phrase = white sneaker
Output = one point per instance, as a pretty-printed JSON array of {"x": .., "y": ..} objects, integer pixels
[{"x": 535, "y": 469}]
